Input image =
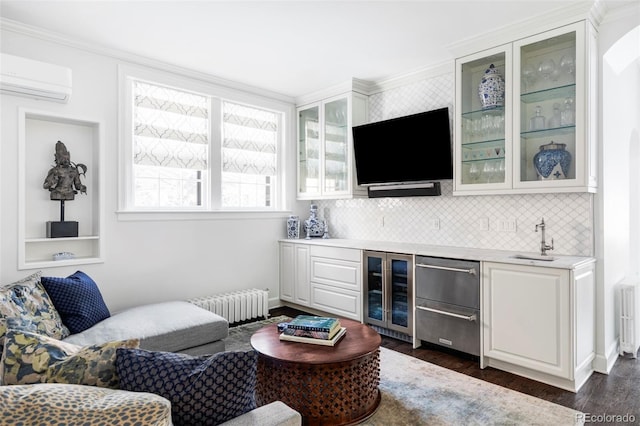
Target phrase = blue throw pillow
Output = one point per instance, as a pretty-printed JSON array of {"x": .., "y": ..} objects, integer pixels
[
  {"x": 203, "y": 390},
  {"x": 77, "y": 299}
]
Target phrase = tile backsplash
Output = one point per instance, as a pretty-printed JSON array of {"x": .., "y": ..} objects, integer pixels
[{"x": 483, "y": 221}]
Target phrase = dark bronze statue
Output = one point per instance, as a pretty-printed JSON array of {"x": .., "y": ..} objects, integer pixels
[{"x": 63, "y": 180}]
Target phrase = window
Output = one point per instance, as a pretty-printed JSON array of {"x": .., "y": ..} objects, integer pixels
[
  {"x": 191, "y": 150},
  {"x": 170, "y": 146},
  {"x": 249, "y": 142}
]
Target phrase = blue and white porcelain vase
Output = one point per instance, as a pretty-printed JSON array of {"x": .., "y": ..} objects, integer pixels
[
  {"x": 293, "y": 227},
  {"x": 313, "y": 226},
  {"x": 552, "y": 161},
  {"x": 491, "y": 89}
]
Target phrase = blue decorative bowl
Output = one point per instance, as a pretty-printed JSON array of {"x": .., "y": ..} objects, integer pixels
[{"x": 552, "y": 161}]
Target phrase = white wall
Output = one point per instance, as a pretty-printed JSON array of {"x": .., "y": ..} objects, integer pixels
[
  {"x": 617, "y": 201},
  {"x": 145, "y": 261}
]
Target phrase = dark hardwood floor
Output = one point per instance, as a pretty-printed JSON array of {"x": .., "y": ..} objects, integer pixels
[{"x": 616, "y": 395}]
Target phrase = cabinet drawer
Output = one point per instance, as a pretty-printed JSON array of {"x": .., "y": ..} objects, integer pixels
[
  {"x": 338, "y": 273},
  {"x": 339, "y": 253},
  {"x": 448, "y": 281},
  {"x": 442, "y": 324},
  {"x": 344, "y": 303}
]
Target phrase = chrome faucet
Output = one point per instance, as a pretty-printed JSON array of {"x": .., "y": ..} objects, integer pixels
[{"x": 543, "y": 244}]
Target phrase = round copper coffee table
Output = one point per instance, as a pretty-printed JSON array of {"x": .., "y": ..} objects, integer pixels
[{"x": 336, "y": 385}]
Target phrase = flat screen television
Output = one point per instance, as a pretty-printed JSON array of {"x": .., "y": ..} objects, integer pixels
[{"x": 413, "y": 148}]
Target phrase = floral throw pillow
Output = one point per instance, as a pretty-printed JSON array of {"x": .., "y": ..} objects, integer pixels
[
  {"x": 22, "y": 324},
  {"x": 28, "y": 299},
  {"x": 32, "y": 358}
]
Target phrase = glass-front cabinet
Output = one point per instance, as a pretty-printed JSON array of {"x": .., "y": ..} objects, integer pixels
[
  {"x": 388, "y": 291},
  {"x": 309, "y": 150},
  {"x": 484, "y": 148},
  {"x": 539, "y": 136},
  {"x": 325, "y": 148}
]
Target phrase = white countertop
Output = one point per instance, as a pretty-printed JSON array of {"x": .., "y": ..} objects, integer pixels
[{"x": 466, "y": 253}]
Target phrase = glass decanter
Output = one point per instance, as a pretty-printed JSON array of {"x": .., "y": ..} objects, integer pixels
[
  {"x": 537, "y": 122},
  {"x": 555, "y": 119},
  {"x": 568, "y": 117}
]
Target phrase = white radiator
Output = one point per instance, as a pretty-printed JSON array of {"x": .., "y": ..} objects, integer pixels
[
  {"x": 629, "y": 319},
  {"x": 236, "y": 306}
]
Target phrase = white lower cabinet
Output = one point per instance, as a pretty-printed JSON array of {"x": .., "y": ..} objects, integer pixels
[
  {"x": 336, "y": 277},
  {"x": 294, "y": 273},
  {"x": 539, "y": 322},
  {"x": 324, "y": 278}
]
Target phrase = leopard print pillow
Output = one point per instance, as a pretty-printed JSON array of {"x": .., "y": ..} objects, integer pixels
[{"x": 63, "y": 405}]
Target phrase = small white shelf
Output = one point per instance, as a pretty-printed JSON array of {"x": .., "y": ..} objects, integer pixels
[
  {"x": 39, "y": 264},
  {"x": 57, "y": 240}
]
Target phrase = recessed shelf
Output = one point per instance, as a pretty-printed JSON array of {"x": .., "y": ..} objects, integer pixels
[
  {"x": 58, "y": 240},
  {"x": 38, "y": 133},
  {"x": 37, "y": 264}
]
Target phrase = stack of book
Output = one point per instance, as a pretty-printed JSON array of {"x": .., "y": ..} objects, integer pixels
[{"x": 313, "y": 329}]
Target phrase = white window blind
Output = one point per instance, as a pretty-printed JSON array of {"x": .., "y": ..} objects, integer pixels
[
  {"x": 171, "y": 127},
  {"x": 249, "y": 154},
  {"x": 189, "y": 149},
  {"x": 171, "y": 134},
  {"x": 249, "y": 141}
]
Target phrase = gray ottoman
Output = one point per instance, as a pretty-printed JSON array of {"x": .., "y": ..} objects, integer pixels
[{"x": 176, "y": 326}]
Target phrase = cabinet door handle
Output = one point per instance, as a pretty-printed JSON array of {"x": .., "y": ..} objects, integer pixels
[
  {"x": 471, "y": 271},
  {"x": 385, "y": 290},
  {"x": 450, "y": 314}
]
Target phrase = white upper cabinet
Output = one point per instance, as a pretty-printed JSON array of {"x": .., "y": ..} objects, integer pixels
[
  {"x": 326, "y": 167},
  {"x": 538, "y": 134},
  {"x": 483, "y": 148}
]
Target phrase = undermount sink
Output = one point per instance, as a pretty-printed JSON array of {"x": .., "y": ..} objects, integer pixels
[{"x": 534, "y": 257}]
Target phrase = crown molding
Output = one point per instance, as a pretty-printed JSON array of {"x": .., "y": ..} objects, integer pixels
[
  {"x": 353, "y": 85},
  {"x": 596, "y": 11},
  {"x": 621, "y": 12},
  {"x": 50, "y": 36},
  {"x": 431, "y": 71},
  {"x": 368, "y": 88},
  {"x": 592, "y": 10}
]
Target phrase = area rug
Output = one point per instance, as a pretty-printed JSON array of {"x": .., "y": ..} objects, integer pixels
[{"x": 415, "y": 392}]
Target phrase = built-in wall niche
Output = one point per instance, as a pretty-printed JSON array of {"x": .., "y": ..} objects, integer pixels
[{"x": 38, "y": 133}]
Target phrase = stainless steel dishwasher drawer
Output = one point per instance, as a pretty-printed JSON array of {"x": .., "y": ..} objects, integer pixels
[
  {"x": 448, "y": 325},
  {"x": 448, "y": 280}
]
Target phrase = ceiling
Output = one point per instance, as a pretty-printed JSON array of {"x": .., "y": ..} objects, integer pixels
[{"x": 289, "y": 47}]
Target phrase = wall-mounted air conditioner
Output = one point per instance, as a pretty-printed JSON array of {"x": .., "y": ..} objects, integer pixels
[{"x": 34, "y": 79}]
